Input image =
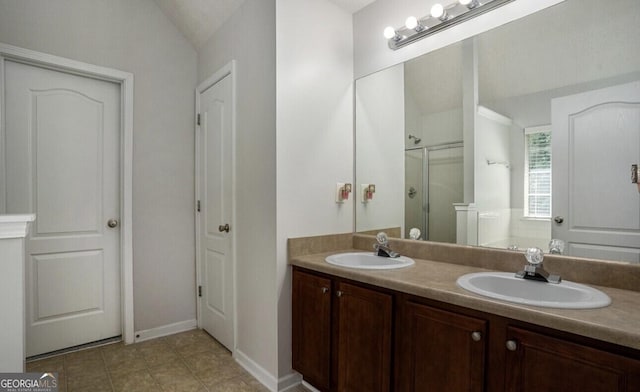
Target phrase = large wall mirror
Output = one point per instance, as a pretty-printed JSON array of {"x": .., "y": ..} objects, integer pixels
[{"x": 521, "y": 135}]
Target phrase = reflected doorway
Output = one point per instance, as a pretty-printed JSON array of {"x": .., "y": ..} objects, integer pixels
[{"x": 434, "y": 182}]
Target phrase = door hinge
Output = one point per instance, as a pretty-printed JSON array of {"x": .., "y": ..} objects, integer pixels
[
  {"x": 199, "y": 291},
  {"x": 198, "y": 206},
  {"x": 198, "y": 119}
]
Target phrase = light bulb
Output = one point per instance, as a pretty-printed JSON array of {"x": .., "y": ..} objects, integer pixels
[
  {"x": 411, "y": 23},
  {"x": 437, "y": 10},
  {"x": 471, "y": 4},
  {"x": 389, "y": 32}
]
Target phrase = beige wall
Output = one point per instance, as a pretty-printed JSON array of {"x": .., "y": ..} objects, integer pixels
[
  {"x": 135, "y": 36},
  {"x": 249, "y": 38}
]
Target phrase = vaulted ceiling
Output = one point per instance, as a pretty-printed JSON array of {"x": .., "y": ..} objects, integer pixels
[{"x": 197, "y": 20}]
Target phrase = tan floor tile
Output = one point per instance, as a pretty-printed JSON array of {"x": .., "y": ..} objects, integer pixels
[
  {"x": 140, "y": 381},
  {"x": 155, "y": 355},
  {"x": 92, "y": 383},
  {"x": 189, "y": 337},
  {"x": 176, "y": 378},
  {"x": 185, "y": 362},
  {"x": 192, "y": 342},
  {"x": 88, "y": 368},
  {"x": 257, "y": 385},
  {"x": 203, "y": 362},
  {"x": 122, "y": 360},
  {"x": 230, "y": 385},
  {"x": 128, "y": 366},
  {"x": 44, "y": 364},
  {"x": 82, "y": 356},
  {"x": 163, "y": 374},
  {"x": 223, "y": 371}
]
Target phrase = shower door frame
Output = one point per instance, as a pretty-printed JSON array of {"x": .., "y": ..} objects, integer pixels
[{"x": 425, "y": 176}]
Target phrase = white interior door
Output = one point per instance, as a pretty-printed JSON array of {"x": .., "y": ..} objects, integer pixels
[
  {"x": 595, "y": 140},
  {"x": 216, "y": 205},
  {"x": 62, "y": 163}
]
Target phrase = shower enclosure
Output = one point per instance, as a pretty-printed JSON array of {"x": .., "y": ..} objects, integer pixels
[{"x": 434, "y": 182}]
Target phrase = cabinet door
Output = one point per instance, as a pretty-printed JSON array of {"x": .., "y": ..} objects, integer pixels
[
  {"x": 537, "y": 362},
  {"x": 364, "y": 339},
  {"x": 312, "y": 328},
  {"x": 440, "y": 350}
]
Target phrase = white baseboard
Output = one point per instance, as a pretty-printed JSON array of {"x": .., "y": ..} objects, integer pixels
[
  {"x": 164, "y": 330},
  {"x": 257, "y": 371},
  {"x": 264, "y": 377},
  {"x": 289, "y": 381},
  {"x": 309, "y": 386}
]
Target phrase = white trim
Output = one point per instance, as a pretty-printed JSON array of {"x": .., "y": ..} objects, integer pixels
[
  {"x": 538, "y": 129},
  {"x": 165, "y": 330},
  {"x": 227, "y": 69},
  {"x": 15, "y": 226},
  {"x": 292, "y": 380},
  {"x": 125, "y": 79},
  {"x": 309, "y": 386},
  {"x": 258, "y": 372}
]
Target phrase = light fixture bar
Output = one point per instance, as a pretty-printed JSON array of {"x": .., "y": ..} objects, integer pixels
[{"x": 409, "y": 36}]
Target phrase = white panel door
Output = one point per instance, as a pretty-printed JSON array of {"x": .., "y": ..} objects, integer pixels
[
  {"x": 595, "y": 140},
  {"x": 62, "y": 159},
  {"x": 215, "y": 195}
]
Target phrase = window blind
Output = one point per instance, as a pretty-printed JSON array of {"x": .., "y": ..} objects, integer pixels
[{"x": 538, "y": 172}]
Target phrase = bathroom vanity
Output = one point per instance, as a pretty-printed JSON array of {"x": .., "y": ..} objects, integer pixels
[{"x": 413, "y": 329}]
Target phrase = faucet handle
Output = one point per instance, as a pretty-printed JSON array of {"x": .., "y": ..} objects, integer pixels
[
  {"x": 556, "y": 246},
  {"x": 534, "y": 256},
  {"x": 382, "y": 238}
]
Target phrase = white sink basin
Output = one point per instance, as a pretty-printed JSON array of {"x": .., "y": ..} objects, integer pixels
[
  {"x": 368, "y": 261},
  {"x": 505, "y": 286}
]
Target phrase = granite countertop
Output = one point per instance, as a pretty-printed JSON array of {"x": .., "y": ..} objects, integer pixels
[{"x": 618, "y": 323}]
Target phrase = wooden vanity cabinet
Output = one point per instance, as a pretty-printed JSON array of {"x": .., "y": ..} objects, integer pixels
[
  {"x": 342, "y": 334},
  {"x": 343, "y": 342},
  {"x": 311, "y": 329},
  {"x": 439, "y": 350},
  {"x": 537, "y": 362},
  {"x": 364, "y": 319}
]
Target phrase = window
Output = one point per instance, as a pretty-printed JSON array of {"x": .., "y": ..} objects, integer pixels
[{"x": 537, "y": 172}]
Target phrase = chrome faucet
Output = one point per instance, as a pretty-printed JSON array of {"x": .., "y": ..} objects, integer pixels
[
  {"x": 534, "y": 270},
  {"x": 382, "y": 247},
  {"x": 556, "y": 246}
]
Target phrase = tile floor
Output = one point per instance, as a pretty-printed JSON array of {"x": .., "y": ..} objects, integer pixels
[{"x": 188, "y": 361}]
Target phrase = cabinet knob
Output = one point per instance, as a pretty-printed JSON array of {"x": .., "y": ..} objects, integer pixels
[
  {"x": 512, "y": 345},
  {"x": 325, "y": 290},
  {"x": 339, "y": 293},
  {"x": 476, "y": 336}
]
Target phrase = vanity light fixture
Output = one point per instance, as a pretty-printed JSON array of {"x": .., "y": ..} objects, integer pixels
[
  {"x": 391, "y": 34},
  {"x": 412, "y": 23},
  {"x": 440, "y": 18},
  {"x": 470, "y": 4},
  {"x": 438, "y": 11}
]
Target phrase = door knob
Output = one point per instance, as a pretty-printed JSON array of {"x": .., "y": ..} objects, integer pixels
[
  {"x": 224, "y": 227},
  {"x": 558, "y": 219},
  {"x": 112, "y": 223}
]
